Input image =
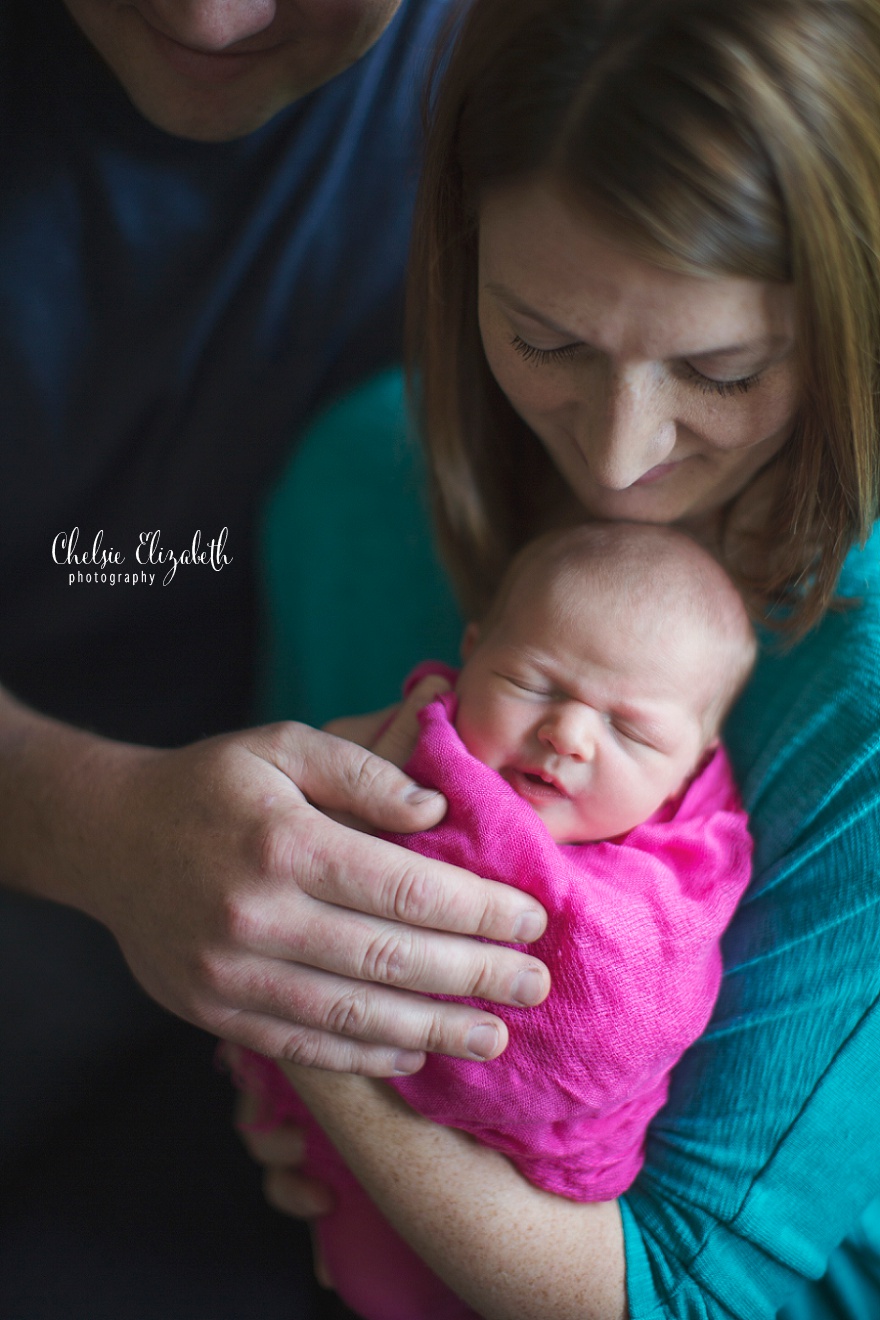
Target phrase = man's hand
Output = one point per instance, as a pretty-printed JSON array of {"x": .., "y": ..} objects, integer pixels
[{"x": 243, "y": 908}]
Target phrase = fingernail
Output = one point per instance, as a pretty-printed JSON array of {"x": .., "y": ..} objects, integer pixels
[
  {"x": 416, "y": 794},
  {"x": 529, "y": 926},
  {"x": 482, "y": 1041},
  {"x": 528, "y": 988},
  {"x": 407, "y": 1062}
]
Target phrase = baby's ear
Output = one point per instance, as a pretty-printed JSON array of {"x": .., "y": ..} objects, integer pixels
[
  {"x": 470, "y": 640},
  {"x": 708, "y": 752}
]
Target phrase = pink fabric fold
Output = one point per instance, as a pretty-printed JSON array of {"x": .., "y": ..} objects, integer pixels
[{"x": 632, "y": 945}]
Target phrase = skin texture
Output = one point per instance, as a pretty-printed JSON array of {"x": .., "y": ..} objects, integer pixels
[
  {"x": 215, "y": 70},
  {"x": 595, "y": 701},
  {"x": 617, "y": 364},
  {"x": 511, "y": 1251}
]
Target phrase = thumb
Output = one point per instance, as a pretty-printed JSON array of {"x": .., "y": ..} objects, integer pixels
[{"x": 336, "y": 775}]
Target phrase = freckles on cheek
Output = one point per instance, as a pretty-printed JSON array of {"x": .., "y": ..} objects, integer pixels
[
  {"x": 527, "y": 388},
  {"x": 731, "y": 425}
]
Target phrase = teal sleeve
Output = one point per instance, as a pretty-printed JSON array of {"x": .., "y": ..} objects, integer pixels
[{"x": 760, "y": 1187}]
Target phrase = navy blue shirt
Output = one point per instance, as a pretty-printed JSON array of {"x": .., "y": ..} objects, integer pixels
[{"x": 170, "y": 313}]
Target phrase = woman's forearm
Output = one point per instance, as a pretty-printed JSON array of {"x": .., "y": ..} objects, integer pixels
[{"x": 511, "y": 1251}]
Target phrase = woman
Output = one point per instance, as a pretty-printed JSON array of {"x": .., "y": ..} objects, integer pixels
[{"x": 647, "y": 286}]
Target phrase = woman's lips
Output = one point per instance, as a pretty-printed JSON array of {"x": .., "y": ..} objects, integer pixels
[{"x": 655, "y": 474}]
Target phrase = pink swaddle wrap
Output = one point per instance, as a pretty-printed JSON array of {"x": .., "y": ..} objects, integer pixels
[{"x": 632, "y": 945}]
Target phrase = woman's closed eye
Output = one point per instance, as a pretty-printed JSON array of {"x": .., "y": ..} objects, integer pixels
[
  {"x": 711, "y": 385},
  {"x": 706, "y": 384},
  {"x": 543, "y": 356}
]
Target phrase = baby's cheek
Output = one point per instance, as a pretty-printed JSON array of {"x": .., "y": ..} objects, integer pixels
[{"x": 472, "y": 735}]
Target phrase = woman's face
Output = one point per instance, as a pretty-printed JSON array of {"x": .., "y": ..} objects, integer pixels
[{"x": 657, "y": 395}]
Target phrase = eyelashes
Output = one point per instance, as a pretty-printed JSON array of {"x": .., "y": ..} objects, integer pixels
[
  {"x": 543, "y": 356},
  {"x": 540, "y": 357},
  {"x": 724, "y": 388}
]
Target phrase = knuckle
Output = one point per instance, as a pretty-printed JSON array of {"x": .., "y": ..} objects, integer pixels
[
  {"x": 365, "y": 774},
  {"x": 438, "y": 1037},
  {"x": 349, "y": 1013},
  {"x": 301, "y": 1046},
  {"x": 388, "y": 958},
  {"x": 273, "y": 847},
  {"x": 415, "y": 898},
  {"x": 240, "y": 924},
  {"x": 290, "y": 850},
  {"x": 486, "y": 916},
  {"x": 483, "y": 981},
  {"x": 211, "y": 973}
]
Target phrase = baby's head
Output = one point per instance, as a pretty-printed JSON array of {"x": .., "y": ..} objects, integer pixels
[{"x": 602, "y": 674}]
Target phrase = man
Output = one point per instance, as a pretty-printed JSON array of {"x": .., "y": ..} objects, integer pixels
[{"x": 203, "y": 227}]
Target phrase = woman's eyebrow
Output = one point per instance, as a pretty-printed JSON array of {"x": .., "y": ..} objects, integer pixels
[
  {"x": 517, "y": 305},
  {"x": 762, "y": 344}
]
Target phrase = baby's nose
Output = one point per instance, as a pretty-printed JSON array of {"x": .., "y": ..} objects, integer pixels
[{"x": 570, "y": 730}]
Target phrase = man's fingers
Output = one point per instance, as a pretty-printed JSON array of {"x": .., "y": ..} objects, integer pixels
[
  {"x": 370, "y": 949},
  {"x": 397, "y": 741},
  {"x": 313, "y": 1047},
  {"x": 323, "y": 1007},
  {"x": 340, "y": 866}
]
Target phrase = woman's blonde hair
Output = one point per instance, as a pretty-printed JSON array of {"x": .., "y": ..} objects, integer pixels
[{"x": 729, "y": 137}]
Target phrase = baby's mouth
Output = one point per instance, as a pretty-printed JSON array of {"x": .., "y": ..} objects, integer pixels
[{"x": 534, "y": 785}]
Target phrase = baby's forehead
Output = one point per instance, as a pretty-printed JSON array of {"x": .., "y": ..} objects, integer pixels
[
  {"x": 598, "y": 593},
  {"x": 660, "y": 639}
]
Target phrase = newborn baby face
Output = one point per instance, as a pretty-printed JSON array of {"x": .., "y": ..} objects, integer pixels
[{"x": 587, "y": 704}]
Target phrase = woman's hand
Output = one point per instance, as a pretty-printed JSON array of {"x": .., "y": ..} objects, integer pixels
[
  {"x": 241, "y": 907},
  {"x": 280, "y": 1151}
]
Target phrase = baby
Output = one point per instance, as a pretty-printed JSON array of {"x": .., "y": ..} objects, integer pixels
[{"x": 587, "y": 712}]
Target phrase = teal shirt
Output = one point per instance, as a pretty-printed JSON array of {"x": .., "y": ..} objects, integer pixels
[{"x": 763, "y": 1170}]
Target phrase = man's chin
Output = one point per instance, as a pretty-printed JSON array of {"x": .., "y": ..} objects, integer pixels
[
  {"x": 220, "y": 114},
  {"x": 199, "y": 123}
]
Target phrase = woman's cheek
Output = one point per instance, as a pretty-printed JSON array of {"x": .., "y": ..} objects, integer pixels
[{"x": 534, "y": 391}]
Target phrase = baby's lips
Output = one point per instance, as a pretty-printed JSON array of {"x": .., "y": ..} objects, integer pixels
[{"x": 540, "y": 777}]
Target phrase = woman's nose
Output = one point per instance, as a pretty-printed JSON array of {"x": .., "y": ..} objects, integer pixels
[
  {"x": 211, "y": 25},
  {"x": 630, "y": 430},
  {"x": 570, "y": 729}
]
